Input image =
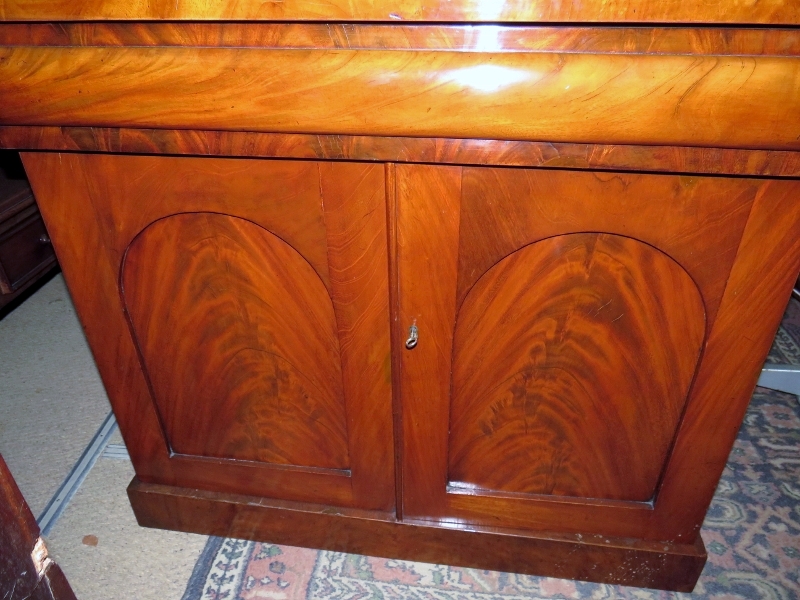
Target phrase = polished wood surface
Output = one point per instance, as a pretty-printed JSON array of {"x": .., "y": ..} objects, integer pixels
[
  {"x": 591, "y": 228},
  {"x": 238, "y": 322},
  {"x": 439, "y": 215},
  {"x": 758, "y": 290},
  {"x": 396, "y": 332},
  {"x": 465, "y": 224},
  {"x": 570, "y": 356},
  {"x": 718, "y": 161},
  {"x": 587, "y": 557},
  {"x": 586, "y": 98},
  {"x": 600, "y": 11},
  {"x": 354, "y": 200},
  {"x": 427, "y": 217},
  {"x": 286, "y": 199},
  {"x": 617, "y": 40},
  {"x": 698, "y": 221}
]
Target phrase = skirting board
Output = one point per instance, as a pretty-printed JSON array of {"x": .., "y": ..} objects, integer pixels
[{"x": 598, "y": 559}]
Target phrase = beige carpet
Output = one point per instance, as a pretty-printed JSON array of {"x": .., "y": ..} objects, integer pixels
[
  {"x": 51, "y": 397},
  {"x": 105, "y": 554},
  {"x": 51, "y": 404}
]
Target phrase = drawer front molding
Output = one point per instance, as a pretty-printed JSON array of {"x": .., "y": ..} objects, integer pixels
[
  {"x": 724, "y": 101},
  {"x": 718, "y": 161}
]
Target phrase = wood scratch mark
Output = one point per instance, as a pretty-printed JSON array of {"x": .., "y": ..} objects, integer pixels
[{"x": 599, "y": 310}]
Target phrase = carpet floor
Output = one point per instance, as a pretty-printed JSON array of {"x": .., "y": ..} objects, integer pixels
[
  {"x": 104, "y": 552},
  {"x": 751, "y": 532},
  {"x": 52, "y": 403},
  {"x": 51, "y": 398}
]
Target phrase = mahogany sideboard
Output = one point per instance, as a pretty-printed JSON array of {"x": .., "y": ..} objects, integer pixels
[{"x": 483, "y": 283}]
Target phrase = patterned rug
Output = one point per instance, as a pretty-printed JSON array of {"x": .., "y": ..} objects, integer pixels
[{"x": 751, "y": 532}]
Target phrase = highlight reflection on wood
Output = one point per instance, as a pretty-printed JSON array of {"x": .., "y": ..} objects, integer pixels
[
  {"x": 591, "y": 98},
  {"x": 571, "y": 356},
  {"x": 660, "y": 11},
  {"x": 238, "y": 337}
]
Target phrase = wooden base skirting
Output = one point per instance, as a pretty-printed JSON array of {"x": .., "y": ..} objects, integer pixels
[{"x": 589, "y": 558}]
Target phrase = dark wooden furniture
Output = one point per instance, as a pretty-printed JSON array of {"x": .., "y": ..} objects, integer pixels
[
  {"x": 26, "y": 253},
  {"x": 26, "y": 570},
  {"x": 493, "y": 293}
]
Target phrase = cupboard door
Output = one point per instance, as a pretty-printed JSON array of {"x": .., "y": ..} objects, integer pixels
[
  {"x": 563, "y": 322},
  {"x": 247, "y": 303}
]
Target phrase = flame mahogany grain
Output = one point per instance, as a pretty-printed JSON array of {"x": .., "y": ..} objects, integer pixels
[
  {"x": 588, "y": 98},
  {"x": 239, "y": 342},
  {"x": 700, "y": 219},
  {"x": 570, "y": 356},
  {"x": 623, "y": 40},
  {"x": 720, "y": 161}
]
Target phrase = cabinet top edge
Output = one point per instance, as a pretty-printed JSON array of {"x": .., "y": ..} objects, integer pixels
[{"x": 599, "y": 12}]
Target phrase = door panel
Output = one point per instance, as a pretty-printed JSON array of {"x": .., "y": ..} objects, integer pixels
[
  {"x": 566, "y": 313},
  {"x": 238, "y": 310},
  {"x": 571, "y": 355},
  {"x": 239, "y": 342}
]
